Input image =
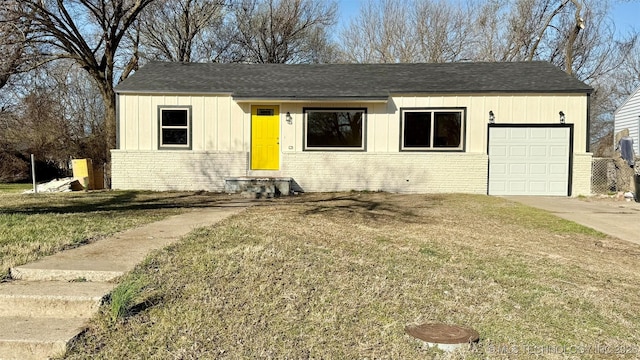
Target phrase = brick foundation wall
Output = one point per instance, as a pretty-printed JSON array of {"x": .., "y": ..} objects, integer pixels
[
  {"x": 320, "y": 171},
  {"x": 393, "y": 172},
  {"x": 581, "y": 184},
  {"x": 174, "y": 170},
  {"x": 312, "y": 171}
]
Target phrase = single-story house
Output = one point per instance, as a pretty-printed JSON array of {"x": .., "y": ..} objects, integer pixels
[
  {"x": 484, "y": 128},
  {"x": 627, "y": 116}
]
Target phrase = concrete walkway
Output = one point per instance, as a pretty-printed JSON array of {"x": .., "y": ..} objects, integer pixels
[
  {"x": 620, "y": 219},
  {"x": 51, "y": 300}
]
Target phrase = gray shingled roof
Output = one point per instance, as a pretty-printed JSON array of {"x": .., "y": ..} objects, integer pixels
[{"x": 330, "y": 81}]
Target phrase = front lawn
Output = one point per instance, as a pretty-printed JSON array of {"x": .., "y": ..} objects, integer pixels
[
  {"x": 36, "y": 225},
  {"x": 339, "y": 276},
  {"x": 15, "y": 187}
]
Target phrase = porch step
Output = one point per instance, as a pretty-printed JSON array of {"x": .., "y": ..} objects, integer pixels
[
  {"x": 259, "y": 187},
  {"x": 52, "y": 299},
  {"x": 28, "y": 338}
]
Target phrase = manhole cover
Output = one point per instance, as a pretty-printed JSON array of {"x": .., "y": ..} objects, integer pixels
[{"x": 443, "y": 336}]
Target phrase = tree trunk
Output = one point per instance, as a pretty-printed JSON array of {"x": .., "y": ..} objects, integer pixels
[{"x": 109, "y": 98}]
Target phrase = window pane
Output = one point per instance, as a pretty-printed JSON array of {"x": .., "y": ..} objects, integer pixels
[
  {"x": 174, "y": 137},
  {"x": 174, "y": 117},
  {"x": 264, "y": 112},
  {"x": 417, "y": 129},
  {"x": 447, "y": 128},
  {"x": 334, "y": 129}
]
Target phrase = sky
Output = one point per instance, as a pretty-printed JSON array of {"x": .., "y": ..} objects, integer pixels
[{"x": 625, "y": 13}]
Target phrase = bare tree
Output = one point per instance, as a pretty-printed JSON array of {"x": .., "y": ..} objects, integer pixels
[
  {"x": 182, "y": 30},
  {"x": 15, "y": 34},
  {"x": 89, "y": 32},
  {"x": 281, "y": 31},
  {"x": 383, "y": 32},
  {"x": 444, "y": 32},
  {"x": 61, "y": 116},
  {"x": 408, "y": 31}
]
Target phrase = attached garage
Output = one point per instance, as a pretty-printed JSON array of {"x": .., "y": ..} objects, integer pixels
[{"x": 530, "y": 159}]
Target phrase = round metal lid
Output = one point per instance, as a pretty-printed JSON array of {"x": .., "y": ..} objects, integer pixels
[{"x": 443, "y": 333}]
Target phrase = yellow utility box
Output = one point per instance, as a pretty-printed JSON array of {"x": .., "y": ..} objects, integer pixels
[{"x": 83, "y": 172}]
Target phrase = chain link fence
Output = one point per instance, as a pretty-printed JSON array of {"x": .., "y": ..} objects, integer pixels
[{"x": 611, "y": 175}]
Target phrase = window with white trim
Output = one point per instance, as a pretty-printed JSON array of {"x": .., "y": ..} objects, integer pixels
[
  {"x": 334, "y": 129},
  {"x": 174, "y": 127},
  {"x": 432, "y": 129}
]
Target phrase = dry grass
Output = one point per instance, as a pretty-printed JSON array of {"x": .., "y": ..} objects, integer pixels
[
  {"x": 32, "y": 226},
  {"x": 339, "y": 276},
  {"x": 14, "y": 187}
]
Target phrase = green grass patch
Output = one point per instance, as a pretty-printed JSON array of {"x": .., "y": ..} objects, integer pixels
[
  {"x": 339, "y": 276},
  {"x": 15, "y": 187},
  {"x": 36, "y": 225},
  {"x": 123, "y": 298}
]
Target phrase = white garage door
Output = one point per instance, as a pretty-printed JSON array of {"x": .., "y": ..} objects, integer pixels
[{"x": 529, "y": 160}]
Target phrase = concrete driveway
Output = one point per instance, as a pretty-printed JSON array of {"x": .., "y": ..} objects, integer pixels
[{"x": 620, "y": 219}]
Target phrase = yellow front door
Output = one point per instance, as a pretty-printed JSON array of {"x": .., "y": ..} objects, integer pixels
[{"x": 265, "y": 137}]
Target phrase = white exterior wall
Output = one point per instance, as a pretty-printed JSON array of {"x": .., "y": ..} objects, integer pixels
[
  {"x": 628, "y": 117},
  {"x": 581, "y": 177},
  {"x": 394, "y": 172},
  {"x": 174, "y": 169},
  {"x": 218, "y": 123},
  {"x": 222, "y": 134}
]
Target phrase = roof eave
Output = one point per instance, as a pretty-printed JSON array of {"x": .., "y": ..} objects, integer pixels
[
  {"x": 171, "y": 92},
  {"x": 308, "y": 99},
  {"x": 507, "y": 91}
]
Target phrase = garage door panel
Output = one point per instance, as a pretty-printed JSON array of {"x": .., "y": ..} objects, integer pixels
[
  {"x": 558, "y": 151},
  {"x": 538, "y": 134},
  {"x": 538, "y": 186},
  {"x": 500, "y": 151},
  {"x": 558, "y": 169},
  {"x": 538, "y": 151},
  {"x": 518, "y": 151},
  {"x": 554, "y": 134},
  {"x": 517, "y": 186},
  {"x": 520, "y": 169},
  {"x": 498, "y": 169},
  {"x": 499, "y": 133},
  {"x": 529, "y": 160},
  {"x": 518, "y": 133},
  {"x": 558, "y": 186},
  {"x": 538, "y": 169}
]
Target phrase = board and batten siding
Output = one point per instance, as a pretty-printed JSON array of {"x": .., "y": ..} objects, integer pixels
[
  {"x": 222, "y": 129},
  {"x": 218, "y": 123},
  {"x": 627, "y": 116}
]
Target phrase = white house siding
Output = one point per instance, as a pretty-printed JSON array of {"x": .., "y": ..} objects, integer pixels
[
  {"x": 221, "y": 144},
  {"x": 218, "y": 123},
  {"x": 628, "y": 117}
]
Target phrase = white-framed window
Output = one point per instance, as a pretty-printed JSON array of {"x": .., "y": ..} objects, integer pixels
[
  {"x": 174, "y": 127},
  {"x": 334, "y": 129},
  {"x": 432, "y": 129}
]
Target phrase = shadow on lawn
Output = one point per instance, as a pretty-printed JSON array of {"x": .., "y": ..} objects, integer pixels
[
  {"x": 372, "y": 205},
  {"x": 114, "y": 201}
]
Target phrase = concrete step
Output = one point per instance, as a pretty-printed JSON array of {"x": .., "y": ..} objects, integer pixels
[
  {"x": 29, "y": 338},
  {"x": 33, "y": 272},
  {"x": 258, "y": 187},
  {"x": 52, "y": 298}
]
